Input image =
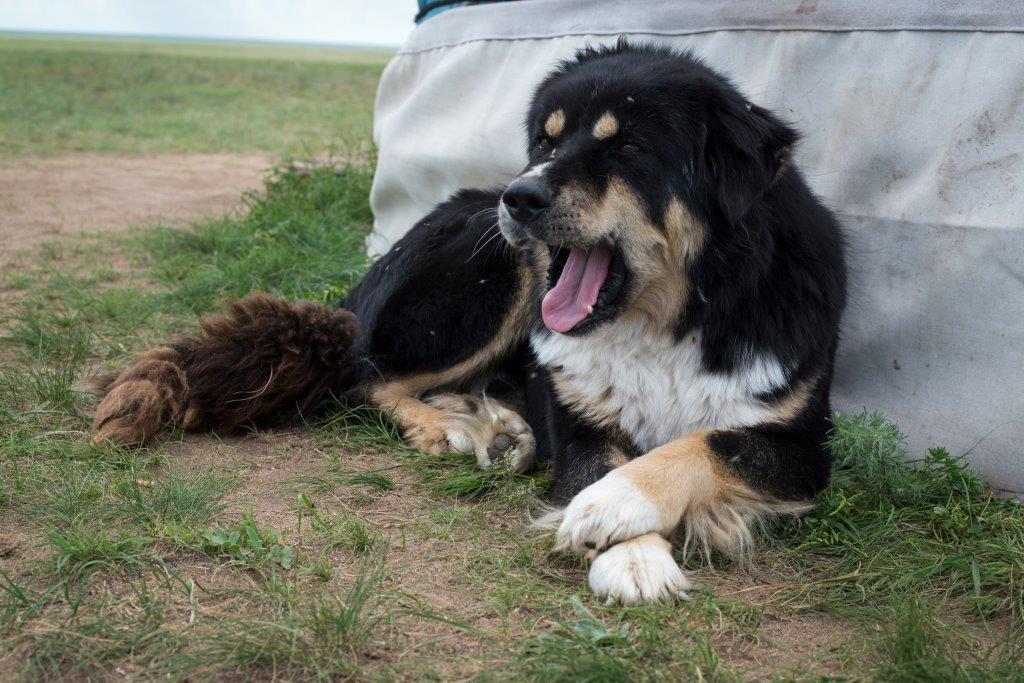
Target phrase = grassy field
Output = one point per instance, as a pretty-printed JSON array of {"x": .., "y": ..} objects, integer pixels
[
  {"x": 331, "y": 551},
  {"x": 87, "y": 95},
  {"x": 197, "y": 48}
]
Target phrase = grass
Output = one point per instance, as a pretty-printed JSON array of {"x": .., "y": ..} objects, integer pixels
[
  {"x": 321, "y": 638},
  {"x": 350, "y": 532},
  {"x": 303, "y": 238},
  {"x": 82, "y": 550},
  {"x": 68, "y": 96},
  {"x": 333, "y": 551},
  {"x": 248, "y": 545},
  {"x": 931, "y": 530},
  {"x": 914, "y": 647},
  {"x": 175, "y": 499},
  {"x": 637, "y": 644},
  {"x": 130, "y": 45}
]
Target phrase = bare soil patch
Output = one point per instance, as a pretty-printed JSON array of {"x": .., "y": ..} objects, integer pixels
[
  {"x": 42, "y": 198},
  {"x": 428, "y": 569}
]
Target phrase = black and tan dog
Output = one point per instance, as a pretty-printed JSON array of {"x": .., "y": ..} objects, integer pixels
[{"x": 659, "y": 321}]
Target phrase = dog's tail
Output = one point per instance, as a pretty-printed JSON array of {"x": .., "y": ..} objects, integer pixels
[{"x": 265, "y": 362}]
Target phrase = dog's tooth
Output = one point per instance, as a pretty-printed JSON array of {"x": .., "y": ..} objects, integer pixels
[{"x": 590, "y": 310}]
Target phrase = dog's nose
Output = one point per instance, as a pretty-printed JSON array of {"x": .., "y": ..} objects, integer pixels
[{"x": 527, "y": 198}]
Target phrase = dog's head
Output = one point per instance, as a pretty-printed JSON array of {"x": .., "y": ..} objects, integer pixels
[{"x": 638, "y": 155}]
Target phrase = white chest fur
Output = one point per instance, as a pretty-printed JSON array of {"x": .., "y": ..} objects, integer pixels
[{"x": 656, "y": 388}]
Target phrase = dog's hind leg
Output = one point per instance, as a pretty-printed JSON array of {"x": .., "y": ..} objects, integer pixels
[
  {"x": 464, "y": 423},
  {"x": 488, "y": 428},
  {"x": 265, "y": 362}
]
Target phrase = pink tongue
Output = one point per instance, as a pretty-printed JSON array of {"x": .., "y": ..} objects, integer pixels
[{"x": 565, "y": 305}]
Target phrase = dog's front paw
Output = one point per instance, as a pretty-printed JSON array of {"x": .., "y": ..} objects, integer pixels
[
  {"x": 639, "y": 570},
  {"x": 610, "y": 510}
]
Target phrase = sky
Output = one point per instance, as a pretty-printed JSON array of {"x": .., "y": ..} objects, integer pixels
[{"x": 357, "y": 22}]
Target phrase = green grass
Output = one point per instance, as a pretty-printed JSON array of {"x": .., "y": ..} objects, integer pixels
[
  {"x": 930, "y": 530},
  {"x": 163, "y": 563},
  {"x": 247, "y": 544},
  {"x": 175, "y": 499},
  {"x": 915, "y": 647},
  {"x": 101, "y": 526},
  {"x": 344, "y": 530},
  {"x": 302, "y": 238},
  {"x": 82, "y": 550},
  {"x": 70, "y": 96},
  {"x": 128, "y": 45},
  {"x": 636, "y": 644},
  {"x": 322, "y": 638}
]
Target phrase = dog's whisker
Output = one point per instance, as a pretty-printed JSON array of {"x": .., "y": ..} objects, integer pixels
[
  {"x": 483, "y": 235},
  {"x": 490, "y": 239},
  {"x": 477, "y": 247},
  {"x": 482, "y": 212}
]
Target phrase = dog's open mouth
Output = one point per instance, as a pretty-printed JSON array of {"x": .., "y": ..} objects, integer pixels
[{"x": 583, "y": 286}]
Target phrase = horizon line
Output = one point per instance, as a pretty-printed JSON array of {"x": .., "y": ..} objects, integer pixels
[{"x": 194, "y": 39}]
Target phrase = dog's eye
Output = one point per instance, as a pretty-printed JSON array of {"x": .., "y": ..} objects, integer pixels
[
  {"x": 544, "y": 143},
  {"x": 628, "y": 148}
]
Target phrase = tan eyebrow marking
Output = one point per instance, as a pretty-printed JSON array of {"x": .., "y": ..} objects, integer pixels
[
  {"x": 555, "y": 123},
  {"x": 606, "y": 126}
]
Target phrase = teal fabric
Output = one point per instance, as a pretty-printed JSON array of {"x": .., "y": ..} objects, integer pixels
[{"x": 425, "y": 13}]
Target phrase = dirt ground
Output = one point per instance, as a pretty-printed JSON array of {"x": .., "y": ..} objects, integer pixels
[{"x": 46, "y": 197}]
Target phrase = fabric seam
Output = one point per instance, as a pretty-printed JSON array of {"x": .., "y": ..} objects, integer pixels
[{"x": 698, "y": 31}]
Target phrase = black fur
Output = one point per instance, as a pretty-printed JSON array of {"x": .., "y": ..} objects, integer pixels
[{"x": 439, "y": 294}]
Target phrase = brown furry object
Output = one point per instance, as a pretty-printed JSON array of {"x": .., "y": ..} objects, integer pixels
[
  {"x": 266, "y": 361},
  {"x": 141, "y": 398}
]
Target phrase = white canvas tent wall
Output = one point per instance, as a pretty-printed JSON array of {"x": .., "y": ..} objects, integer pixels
[{"x": 912, "y": 120}]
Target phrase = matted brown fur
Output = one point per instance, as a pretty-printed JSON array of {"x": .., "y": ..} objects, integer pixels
[
  {"x": 141, "y": 398},
  {"x": 264, "y": 362}
]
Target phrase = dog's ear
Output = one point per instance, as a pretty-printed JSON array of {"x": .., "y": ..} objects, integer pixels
[{"x": 747, "y": 148}]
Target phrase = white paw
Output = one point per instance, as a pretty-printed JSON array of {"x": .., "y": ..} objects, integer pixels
[
  {"x": 637, "y": 571},
  {"x": 610, "y": 510}
]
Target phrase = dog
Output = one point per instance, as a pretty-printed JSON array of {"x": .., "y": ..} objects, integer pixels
[{"x": 652, "y": 305}]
